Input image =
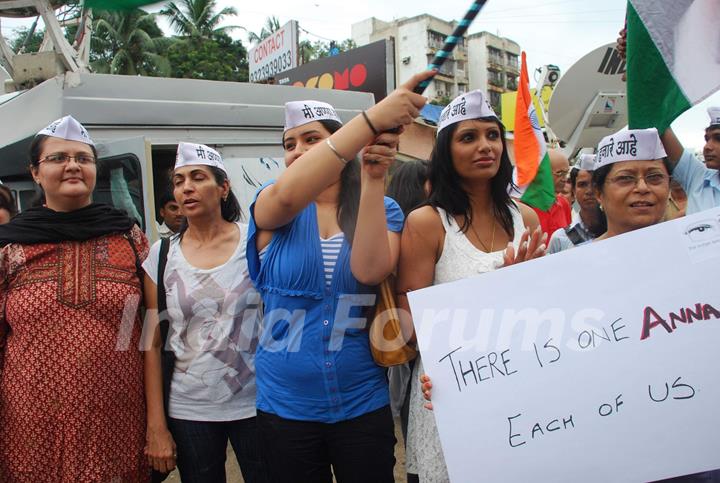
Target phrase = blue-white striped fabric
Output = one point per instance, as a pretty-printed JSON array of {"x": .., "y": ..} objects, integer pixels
[{"x": 330, "y": 251}]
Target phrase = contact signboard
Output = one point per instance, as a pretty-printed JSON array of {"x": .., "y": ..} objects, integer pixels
[{"x": 275, "y": 54}]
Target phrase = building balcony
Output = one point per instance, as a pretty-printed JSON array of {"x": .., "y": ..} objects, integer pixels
[
  {"x": 512, "y": 67},
  {"x": 496, "y": 82},
  {"x": 495, "y": 64},
  {"x": 445, "y": 78},
  {"x": 495, "y": 88}
]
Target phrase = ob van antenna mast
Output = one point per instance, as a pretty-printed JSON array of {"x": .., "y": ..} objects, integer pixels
[{"x": 29, "y": 69}]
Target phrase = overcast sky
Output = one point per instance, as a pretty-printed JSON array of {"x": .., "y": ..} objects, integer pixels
[{"x": 551, "y": 32}]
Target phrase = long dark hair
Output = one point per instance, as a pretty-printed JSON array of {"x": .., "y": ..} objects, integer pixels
[
  {"x": 229, "y": 207},
  {"x": 407, "y": 185},
  {"x": 349, "y": 197},
  {"x": 447, "y": 192}
]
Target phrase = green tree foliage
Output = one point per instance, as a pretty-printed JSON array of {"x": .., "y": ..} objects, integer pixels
[
  {"x": 217, "y": 58},
  {"x": 310, "y": 51},
  {"x": 322, "y": 49},
  {"x": 272, "y": 24},
  {"x": 441, "y": 101},
  {"x": 129, "y": 42},
  {"x": 197, "y": 18},
  {"x": 19, "y": 37}
]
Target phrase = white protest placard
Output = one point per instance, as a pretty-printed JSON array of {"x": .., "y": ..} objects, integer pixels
[
  {"x": 601, "y": 363},
  {"x": 275, "y": 54}
]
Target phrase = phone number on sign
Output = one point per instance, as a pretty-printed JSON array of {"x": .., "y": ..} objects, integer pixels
[{"x": 278, "y": 64}]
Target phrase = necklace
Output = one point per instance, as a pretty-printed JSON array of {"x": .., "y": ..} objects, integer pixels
[{"x": 492, "y": 239}]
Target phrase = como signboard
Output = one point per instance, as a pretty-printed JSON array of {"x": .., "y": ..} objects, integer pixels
[
  {"x": 277, "y": 53},
  {"x": 370, "y": 68}
]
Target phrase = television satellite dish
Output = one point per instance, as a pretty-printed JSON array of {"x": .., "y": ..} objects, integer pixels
[
  {"x": 589, "y": 101},
  {"x": 29, "y": 11}
]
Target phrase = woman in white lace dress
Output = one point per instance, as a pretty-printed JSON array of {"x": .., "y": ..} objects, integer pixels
[{"x": 470, "y": 226}]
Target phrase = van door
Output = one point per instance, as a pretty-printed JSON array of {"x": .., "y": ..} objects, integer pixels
[
  {"x": 249, "y": 167},
  {"x": 124, "y": 180}
]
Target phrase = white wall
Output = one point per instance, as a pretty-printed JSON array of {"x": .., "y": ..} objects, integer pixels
[
  {"x": 477, "y": 67},
  {"x": 362, "y": 31}
]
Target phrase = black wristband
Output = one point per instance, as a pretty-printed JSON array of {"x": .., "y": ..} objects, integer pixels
[{"x": 372, "y": 128}]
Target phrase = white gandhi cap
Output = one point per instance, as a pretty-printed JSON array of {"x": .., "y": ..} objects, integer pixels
[
  {"x": 630, "y": 145},
  {"x": 471, "y": 105},
  {"x": 191, "y": 154},
  {"x": 67, "y": 128},
  {"x": 298, "y": 113}
]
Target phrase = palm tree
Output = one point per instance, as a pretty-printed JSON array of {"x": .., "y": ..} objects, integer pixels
[
  {"x": 197, "y": 18},
  {"x": 307, "y": 51},
  {"x": 272, "y": 25},
  {"x": 128, "y": 42}
]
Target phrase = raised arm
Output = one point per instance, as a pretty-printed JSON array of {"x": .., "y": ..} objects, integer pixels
[
  {"x": 375, "y": 248},
  {"x": 420, "y": 248},
  {"x": 320, "y": 167},
  {"x": 673, "y": 147}
]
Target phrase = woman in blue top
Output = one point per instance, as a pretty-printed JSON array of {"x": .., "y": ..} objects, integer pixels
[{"x": 322, "y": 401}]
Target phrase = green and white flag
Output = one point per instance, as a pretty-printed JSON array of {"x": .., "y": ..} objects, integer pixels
[
  {"x": 673, "y": 58},
  {"x": 117, "y": 4}
]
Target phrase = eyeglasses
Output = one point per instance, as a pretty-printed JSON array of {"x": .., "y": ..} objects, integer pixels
[
  {"x": 59, "y": 159},
  {"x": 630, "y": 181},
  {"x": 561, "y": 174}
]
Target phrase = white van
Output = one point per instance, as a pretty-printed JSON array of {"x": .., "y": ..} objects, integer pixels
[{"x": 137, "y": 123}]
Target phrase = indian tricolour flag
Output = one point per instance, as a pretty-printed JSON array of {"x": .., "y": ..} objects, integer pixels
[
  {"x": 673, "y": 58},
  {"x": 117, "y": 4},
  {"x": 533, "y": 174}
]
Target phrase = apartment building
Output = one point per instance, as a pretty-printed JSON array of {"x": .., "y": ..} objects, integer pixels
[
  {"x": 482, "y": 60},
  {"x": 495, "y": 65},
  {"x": 417, "y": 39}
]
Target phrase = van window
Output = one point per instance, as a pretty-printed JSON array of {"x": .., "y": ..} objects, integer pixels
[
  {"x": 26, "y": 198},
  {"x": 119, "y": 183}
]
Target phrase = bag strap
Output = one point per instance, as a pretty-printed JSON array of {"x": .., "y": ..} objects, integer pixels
[
  {"x": 161, "y": 301},
  {"x": 167, "y": 356},
  {"x": 574, "y": 236}
]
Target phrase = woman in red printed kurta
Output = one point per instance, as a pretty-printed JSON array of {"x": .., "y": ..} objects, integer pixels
[{"x": 71, "y": 387}]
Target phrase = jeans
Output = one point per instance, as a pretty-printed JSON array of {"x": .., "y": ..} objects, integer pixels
[
  {"x": 359, "y": 450},
  {"x": 202, "y": 447}
]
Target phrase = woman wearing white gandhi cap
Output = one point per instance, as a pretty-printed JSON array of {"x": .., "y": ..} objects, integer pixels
[
  {"x": 72, "y": 407},
  {"x": 321, "y": 238},
  {"x": 631, "y": 180},
  {"x": 469, "y": 226},
  {"x": 212, "y": 315}
]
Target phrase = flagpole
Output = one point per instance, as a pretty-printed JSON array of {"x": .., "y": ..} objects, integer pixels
[{"x": 450, "y": 42}]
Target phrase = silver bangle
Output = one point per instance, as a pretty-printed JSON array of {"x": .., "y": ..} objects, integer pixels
[{"x": 334, "y": 150}]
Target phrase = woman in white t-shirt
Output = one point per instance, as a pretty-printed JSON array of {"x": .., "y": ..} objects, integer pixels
[{"x": 212, "y": 309}]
